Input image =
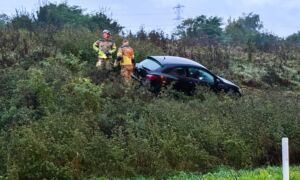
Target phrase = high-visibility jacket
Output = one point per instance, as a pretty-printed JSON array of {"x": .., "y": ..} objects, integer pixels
[
  {"x": 104, "y": 46},
  {"x": 126, "y": 54}
]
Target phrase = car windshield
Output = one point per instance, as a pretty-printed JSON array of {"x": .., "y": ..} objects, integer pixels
[{"x": 150, "y": 64}]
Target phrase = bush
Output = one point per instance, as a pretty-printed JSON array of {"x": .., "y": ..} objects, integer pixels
[
  {"x": 61, "y": 118},
  {"x": 111, "y": 130}
]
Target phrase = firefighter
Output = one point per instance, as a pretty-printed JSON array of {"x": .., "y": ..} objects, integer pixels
[
  {"x": 105, "y": 48},
  {"x": 125, "y": 57}
]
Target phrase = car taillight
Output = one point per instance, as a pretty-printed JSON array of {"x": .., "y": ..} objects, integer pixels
[{"x": 152, "y": 77}]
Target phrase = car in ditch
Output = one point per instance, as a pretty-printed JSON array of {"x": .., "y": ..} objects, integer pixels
[{"x": 156, "y": 72}]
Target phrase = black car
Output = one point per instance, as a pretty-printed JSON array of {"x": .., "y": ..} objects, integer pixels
[{"x": 184, "y": 74}]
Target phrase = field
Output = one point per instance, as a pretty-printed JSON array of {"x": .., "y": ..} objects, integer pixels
[
  {"x": 269, "y": 173},
  {"x": 62, "y": 118}
]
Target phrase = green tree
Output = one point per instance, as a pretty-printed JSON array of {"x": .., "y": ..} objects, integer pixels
[
  {"x": 22, "y": 20},
  {"x": 243, "y": 29},
  {"x": 3, "y": 20},
  {"x": 267, "y": 42},
  {"x": 142, "y": 34},
  {"x": 62, "y": 14},
  {"x": 243, "y": 32},
  {"x": 201, "y": 29},
  {"x": 59, "y": 15},
  {"x": 101, "y": 21},
  {"x": 294, "y": 39}
]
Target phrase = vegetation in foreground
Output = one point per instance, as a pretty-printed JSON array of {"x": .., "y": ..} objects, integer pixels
[
  {"x": 60, "y": 118},
  {"x": 269, "y": 173}
]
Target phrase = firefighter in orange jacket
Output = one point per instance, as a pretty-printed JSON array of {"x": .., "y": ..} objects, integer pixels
[
  {"x": 105, "y": 48},
  {"x": 125, "y": 57}
]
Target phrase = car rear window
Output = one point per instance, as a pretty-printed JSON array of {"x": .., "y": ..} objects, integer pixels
[{"x": 150, "y": 64}]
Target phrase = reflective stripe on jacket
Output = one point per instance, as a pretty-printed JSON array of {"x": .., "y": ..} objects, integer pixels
[
  {"x": 127, "y": 55},
  {"x": 102, "y": 46}
]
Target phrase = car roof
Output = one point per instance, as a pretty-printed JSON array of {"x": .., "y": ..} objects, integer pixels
[{"x": 175, "y": 60}]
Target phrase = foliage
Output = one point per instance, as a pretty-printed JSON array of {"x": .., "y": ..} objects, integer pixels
[
  {"x": 145, "y": 139},
  {"x": 59, "y": 15},
  {"x": 240, "y": 31},
  {"x": 267, "y": 42},
  {"x": 75, "y": 41},
  {"x": 61, "y": 118},
  {"x": 101, "y": 21},
  {"x": 62, "y": 14},
  {"x": 269, "y": 173},
  {"x": 22, "y": 20},
  {"x": 3, "y": 20},
  {"x": 201, "y": 29},
  {"x": 294, "y": 39}
]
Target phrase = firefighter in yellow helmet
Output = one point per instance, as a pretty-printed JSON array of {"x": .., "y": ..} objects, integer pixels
[
  {"x": 125, "y": 57},
  {"x": 105, "y": 48}
]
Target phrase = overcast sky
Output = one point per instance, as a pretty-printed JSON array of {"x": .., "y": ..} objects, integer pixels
[{"x": 280, "y": 17}]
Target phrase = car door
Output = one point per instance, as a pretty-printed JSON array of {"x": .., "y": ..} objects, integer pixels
[
  {"x": 178, "y": 78},
  {"x": 200, "y": 76}
]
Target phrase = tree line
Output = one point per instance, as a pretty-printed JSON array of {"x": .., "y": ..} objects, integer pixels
[
  {"x": 246, "y": 30},
  {"x": 61, "y": 118}
]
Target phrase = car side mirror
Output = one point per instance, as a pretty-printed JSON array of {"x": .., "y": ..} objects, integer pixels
[{"x": 218, "y": 81}]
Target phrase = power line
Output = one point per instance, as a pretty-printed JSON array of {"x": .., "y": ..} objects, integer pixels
[
  {"x": 141, "y": 14},
  {"x": 151, "y": 26},
  {"x": 178, "y": 10}
]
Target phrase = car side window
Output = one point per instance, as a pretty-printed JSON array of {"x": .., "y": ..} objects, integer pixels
[
  {"x": 178, "y": 71},
  {"x": 201, "y": 75}
]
